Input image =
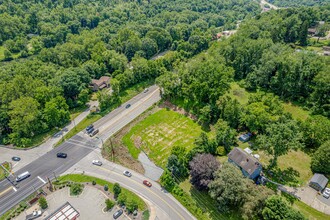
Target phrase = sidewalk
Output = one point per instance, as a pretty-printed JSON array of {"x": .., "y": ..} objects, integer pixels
[{"x": 27, "y": 156}]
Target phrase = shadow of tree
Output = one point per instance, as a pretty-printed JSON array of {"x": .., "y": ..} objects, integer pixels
[{"x": 288, "y": 176}]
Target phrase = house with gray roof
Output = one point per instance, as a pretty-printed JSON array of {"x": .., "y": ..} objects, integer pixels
[
  {"x": 250, "y": 166},
  {"x": 318, "y": 182}
]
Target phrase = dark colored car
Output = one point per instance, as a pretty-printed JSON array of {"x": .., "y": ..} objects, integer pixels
[
  {"x": 61, "y": 155},
  {"x": 90, "y": 131},
  {"x": 117, "y": 214},
  {"x": 90, "y": 128},
  {"x": 16, "y": 158},
  {"x": 147, "y": 183},
  {"x": 94, "y": 133},
  {"x": 128, "y": 105}
]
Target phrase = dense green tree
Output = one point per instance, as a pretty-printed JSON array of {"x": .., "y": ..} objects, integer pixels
[
  {"x": 320, "y": 160},
  {"x": 230, "y": 110},
  {"x": 24, "y": 118},
  {"x": 225, "y": 135},
  {"x": 316, "y": 130},
  {"x": 56, "y": 112},
  {"x": 116, "y": 189},
  {"x": 279, "y": 138},
  {"x": 228, "y": 187},
  {"x": 277, "y": 208}
]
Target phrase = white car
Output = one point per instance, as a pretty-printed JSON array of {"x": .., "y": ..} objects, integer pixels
[
  {"x": 36, "y": 213},
  {"x": 127, "y": 173},
  {"x": 97, "y": 162},
  {"x": 326, "y": 193}
]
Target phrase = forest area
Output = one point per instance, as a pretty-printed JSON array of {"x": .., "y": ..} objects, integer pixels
[{"x": 53, "y": 49}]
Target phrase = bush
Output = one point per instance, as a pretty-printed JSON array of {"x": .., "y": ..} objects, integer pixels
[
  {"x": 131, "y": 205},
  {"x": 93, "y": 183},
  {"x": 106, "y": 187},
  {"x": 109, "y": 204},
  {"x": 122, "y": 198},
  {"x": 43, "y": 203},
  {"x": 116, "y": 189},
  {"x": 76, "y": 189}
]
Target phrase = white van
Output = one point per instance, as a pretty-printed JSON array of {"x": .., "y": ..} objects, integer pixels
[{"x": 22, "y": 176}]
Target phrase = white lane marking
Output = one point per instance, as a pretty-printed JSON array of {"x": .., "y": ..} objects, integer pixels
[
  {"x": 14, "y": 189},
  {"x": 41, "y": 179}
]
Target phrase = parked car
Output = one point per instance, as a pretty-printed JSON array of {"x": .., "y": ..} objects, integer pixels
[
  {"x": 16, "y": 158},
  {"x": 147, "y": 183},
  {"x": 117, "y": 214},
  {"x": 128, "y": 105},
  {"x": 94, "y": 133},
  {"x": 61, "y": 155},
  {"x": 127, "y": 173},
  {"x": 326, "y": 193},
  {"x": 146, "y": 90},
  {"x": 97, "y": 162}
]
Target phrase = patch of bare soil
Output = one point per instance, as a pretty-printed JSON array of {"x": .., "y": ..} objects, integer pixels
[{"x": 120, "y": 152}]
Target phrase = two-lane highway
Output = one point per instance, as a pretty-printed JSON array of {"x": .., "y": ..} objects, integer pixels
[{"x": 77, "y": 148}]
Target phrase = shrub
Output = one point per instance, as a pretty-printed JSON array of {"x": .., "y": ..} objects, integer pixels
[
  {"x": 76, "y": 189},
  {"x": 43, "y": 203},
  {"x": 131, "y": 205},
  {"x": 93, "y": 183},
  {"x": 116, "y": 189},
  {"x": 106, "y": 187},
  {"x": 122, "y": 198},
  {"x": 109, "y": 204}
]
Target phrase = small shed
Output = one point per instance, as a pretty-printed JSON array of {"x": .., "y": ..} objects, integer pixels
[{"x": 318, "y": 182}]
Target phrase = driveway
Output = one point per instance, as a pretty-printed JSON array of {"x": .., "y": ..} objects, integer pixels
[
  {"x": 310, "y": 196},
  {"x": 89, "y": 204}
]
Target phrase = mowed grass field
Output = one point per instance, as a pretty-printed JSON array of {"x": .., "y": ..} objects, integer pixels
[{"x": 159, "y": 132}]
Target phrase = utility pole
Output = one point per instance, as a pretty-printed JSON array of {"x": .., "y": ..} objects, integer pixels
[{"x": 112, "y": 151}]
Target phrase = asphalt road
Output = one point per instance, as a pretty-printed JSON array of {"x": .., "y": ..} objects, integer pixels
[
  {"x": 77, "y": 148},
  {"x": 167, "y": 207}
]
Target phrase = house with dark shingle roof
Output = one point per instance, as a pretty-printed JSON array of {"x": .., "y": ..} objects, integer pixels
[
  {"x": 103, "y": 82},
  {"x": 250, "y": 166},
  {"x": 318, "y": 182}
]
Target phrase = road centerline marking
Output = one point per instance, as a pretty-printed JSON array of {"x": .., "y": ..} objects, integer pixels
[
  {"x": 6, "y": 190},
  {"x": 41, "y": 179}
]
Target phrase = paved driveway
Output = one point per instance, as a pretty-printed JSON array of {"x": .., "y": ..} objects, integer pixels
[{"x": 310, "y": 196}]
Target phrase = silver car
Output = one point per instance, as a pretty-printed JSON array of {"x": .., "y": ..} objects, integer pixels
[
  {"x": 127, "y": 173},
  {"x": 97, "y": 162},
  {"x": 326, "y": 193}
]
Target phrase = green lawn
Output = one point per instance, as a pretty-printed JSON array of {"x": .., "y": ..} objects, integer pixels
[
  {"x": 309, "y": 212},
  {"x": 78, "y": 178},
  {"x": 239, "y": 93},
  {"x": 159, "y": 132},
  {"x": 296, "y": 111},
  {"x": 2, "y": 171}
]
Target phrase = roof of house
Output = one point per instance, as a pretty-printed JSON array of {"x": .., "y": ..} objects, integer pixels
[
  {"x": 320, "y": 179},
  {"x": 101, "y": 81},
  {"x": 244, "y": 160},
  {"x": 313, "y": 30}
]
